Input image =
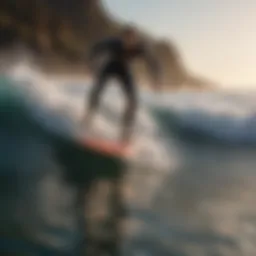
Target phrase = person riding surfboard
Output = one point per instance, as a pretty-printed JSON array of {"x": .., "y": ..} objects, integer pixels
[{"x": 121, "y": 51}]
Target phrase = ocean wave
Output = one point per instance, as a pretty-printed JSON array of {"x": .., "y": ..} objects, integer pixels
[
  {"x": 199, "y": 125},
  {"x": 220, "y": 117},
  {"x": 42, "y": 172}
]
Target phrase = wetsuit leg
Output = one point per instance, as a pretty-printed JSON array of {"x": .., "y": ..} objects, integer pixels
[
  {"x": 130, "y": 92},
  {"x": 96, "y": 92}
]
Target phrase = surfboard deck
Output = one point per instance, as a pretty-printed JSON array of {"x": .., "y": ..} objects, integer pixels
[{"x": 107, "y": 147}]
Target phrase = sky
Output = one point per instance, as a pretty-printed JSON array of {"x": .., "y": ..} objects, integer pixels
[{"x": 217, "y": 38}]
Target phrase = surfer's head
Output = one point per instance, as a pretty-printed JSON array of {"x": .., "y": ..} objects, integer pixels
[{"x": 130, "y": 35}]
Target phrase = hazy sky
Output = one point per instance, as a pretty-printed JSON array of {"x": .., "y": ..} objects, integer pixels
[{"x": 216, "y": 37}]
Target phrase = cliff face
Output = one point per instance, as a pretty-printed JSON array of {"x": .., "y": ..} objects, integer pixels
[{"x": 61, "y": 32}]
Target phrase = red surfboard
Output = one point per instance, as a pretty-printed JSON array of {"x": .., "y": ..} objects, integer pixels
[{"x": 107, "y": 147}]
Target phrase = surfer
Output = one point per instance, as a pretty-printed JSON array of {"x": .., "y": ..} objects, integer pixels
[{"x": 121, "y": 51}]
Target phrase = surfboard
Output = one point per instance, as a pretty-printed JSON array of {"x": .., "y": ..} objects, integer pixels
[{"x": 107, "y": 147}]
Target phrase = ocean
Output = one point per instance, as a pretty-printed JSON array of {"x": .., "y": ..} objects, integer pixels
[{"x": 189, "y": 187}]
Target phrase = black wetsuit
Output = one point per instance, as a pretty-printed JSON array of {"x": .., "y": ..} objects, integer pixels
[{"x": 117, "y": 66}]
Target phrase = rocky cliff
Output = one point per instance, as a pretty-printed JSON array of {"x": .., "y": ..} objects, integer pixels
[{"x": 61, "y": 31}]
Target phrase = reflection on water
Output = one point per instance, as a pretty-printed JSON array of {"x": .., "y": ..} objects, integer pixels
[{"x": 204, "y": 208}]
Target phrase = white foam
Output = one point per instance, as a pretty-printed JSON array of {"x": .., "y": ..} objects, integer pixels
[{"x": 230, "y": 118}]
